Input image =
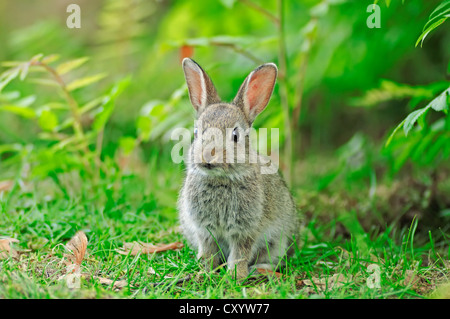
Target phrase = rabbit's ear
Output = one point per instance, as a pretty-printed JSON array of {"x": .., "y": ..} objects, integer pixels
[
  {"x": 254, "y": 94},
  {"x": 201, "y": 89}
]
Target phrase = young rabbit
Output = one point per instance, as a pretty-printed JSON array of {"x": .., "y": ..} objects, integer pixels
[{"x": 228, "y": 209}]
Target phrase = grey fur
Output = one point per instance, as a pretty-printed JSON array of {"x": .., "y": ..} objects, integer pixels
[{"x": 251, "y": 216}]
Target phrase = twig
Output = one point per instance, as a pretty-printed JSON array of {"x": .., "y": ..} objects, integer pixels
[
  {"x": 262, "y": 10},
  {"x": 239, "y": 50}
]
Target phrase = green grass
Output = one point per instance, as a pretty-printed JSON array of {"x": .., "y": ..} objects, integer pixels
[{"x": 333, "y": 263}]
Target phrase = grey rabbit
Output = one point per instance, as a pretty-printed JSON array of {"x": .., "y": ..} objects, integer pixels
[{"x": 228, "y": 210}]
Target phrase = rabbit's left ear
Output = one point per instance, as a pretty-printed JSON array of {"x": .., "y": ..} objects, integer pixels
[{"x": 254, "y": 94}]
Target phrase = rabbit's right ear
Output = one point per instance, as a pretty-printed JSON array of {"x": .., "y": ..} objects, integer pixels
[{"x": 201, "y": 89}]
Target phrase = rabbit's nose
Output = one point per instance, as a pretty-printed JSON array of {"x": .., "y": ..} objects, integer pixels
[{"x": 210, "y": 157}]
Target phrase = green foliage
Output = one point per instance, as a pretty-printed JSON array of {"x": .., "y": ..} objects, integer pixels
[
  {"x": 86, "y": 150},
  {"x": 437, "y": 17},
  {"x": 428, "y": 142},
  {"x": 68, "y": 142},
  {"x": 425, "y": 144}
]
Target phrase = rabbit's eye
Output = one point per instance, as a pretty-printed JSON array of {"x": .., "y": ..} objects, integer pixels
[
  {"x": 195, "y": 132},
  {"x": 235, "y": 135}
]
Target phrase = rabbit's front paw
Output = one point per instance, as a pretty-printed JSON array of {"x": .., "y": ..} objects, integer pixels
[
  {"x": 240, "y": 271},
  {"x": 208, "y": 255},
  {"x": 210, "y": 262}
]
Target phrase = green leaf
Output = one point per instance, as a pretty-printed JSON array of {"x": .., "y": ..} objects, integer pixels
[
  {"x": 428, "y": 30},
  {"x": 441, "y": 102},
  {"x": 104, "y": 112},
  {"x": 65, "y": 67},
  {"x": 119, "y": 87},
  {"x": 144, "y": 126},
  {"x": 8, "y": 76},
  {"x": 127, "y": 144},
  {"x": 437, "y": 17},
  {"x": 153, "y": 108},
  {"x": 48, "y": 120},
  {"x": 10, "y": 148},
  {"x": 23, "y": 111},
  {"x": 11, "y": 64},
  {"x": 79, "y": 83},
  {"x": 441, "y": 11},
  {"x": 26, "y": 101},
  {"x": 37, "y": 57},
  {"x": 412, "y": 118},
  {"x": 50, "y": 58},
  {"x": 24, "y": 71},
  {"x": 9, "y": 96},
  {"x": 319, "y": 10},
  {"x": 333, "y": 2},
  {"x": 91, "y": 104},
  {"x": 228, "y": 3},
  {"x": 47, "y": 82},
  {"x": 390, "y": 90}
]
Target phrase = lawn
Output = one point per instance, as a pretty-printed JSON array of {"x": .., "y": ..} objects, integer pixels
[
  {"x": 93, "y": 93},
  {"x": 345, "y": 254}
]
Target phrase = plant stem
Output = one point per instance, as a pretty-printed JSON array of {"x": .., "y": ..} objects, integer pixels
[
  {"x": 239, "y": 50},
  {"x": 301, "y": 84},
  {"x": 284, "y": 93},
  {"x": 77, "y": 126},
  {"x": 74, "y": 109}
]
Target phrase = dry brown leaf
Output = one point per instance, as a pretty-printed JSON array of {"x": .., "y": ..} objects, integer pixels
[
  {"x": 135, "y": 248},
  {"x": 6, "y": 185},
  {"x": 77, "y": 245},
  {"x": 5, "y": 248},
  {"x": 322, "y": 284},
  {"x": 417, "y": 283},
  {"x": 116, "y": 284},
  {"x": 411, "y": 279},
  {"x": 268, "y": 272}
]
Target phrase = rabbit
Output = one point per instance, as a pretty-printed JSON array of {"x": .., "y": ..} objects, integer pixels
[{"x": 230, "y": 211}]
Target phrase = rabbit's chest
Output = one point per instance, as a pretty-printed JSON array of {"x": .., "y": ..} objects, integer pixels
[{"x": 225, "y": 208}]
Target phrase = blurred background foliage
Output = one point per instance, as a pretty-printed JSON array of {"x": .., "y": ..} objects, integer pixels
[{"x": 93, "y": 108}]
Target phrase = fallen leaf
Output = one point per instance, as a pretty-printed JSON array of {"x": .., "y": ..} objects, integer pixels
[
  {"x": 269, "y": 272},
  {"x": 5, "y": 248},
  {"x": 322, "y": 284},
  {"x": 135, "y": 248},
  {"x": 411, "y": 279},
  {"x": 118, "y": 284},
  {"x": 299, "y": 283},
  {"x": 77, "y": 245},
  {"x": 6, "y": 185}
]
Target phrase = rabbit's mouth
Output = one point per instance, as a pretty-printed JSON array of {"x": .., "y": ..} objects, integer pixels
[
  {"x": 208, "y": 169},
  {"x": 220, "y": 170},
  {"x": 207, "y": 166},
  {"x": 211, "y": 169}
]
